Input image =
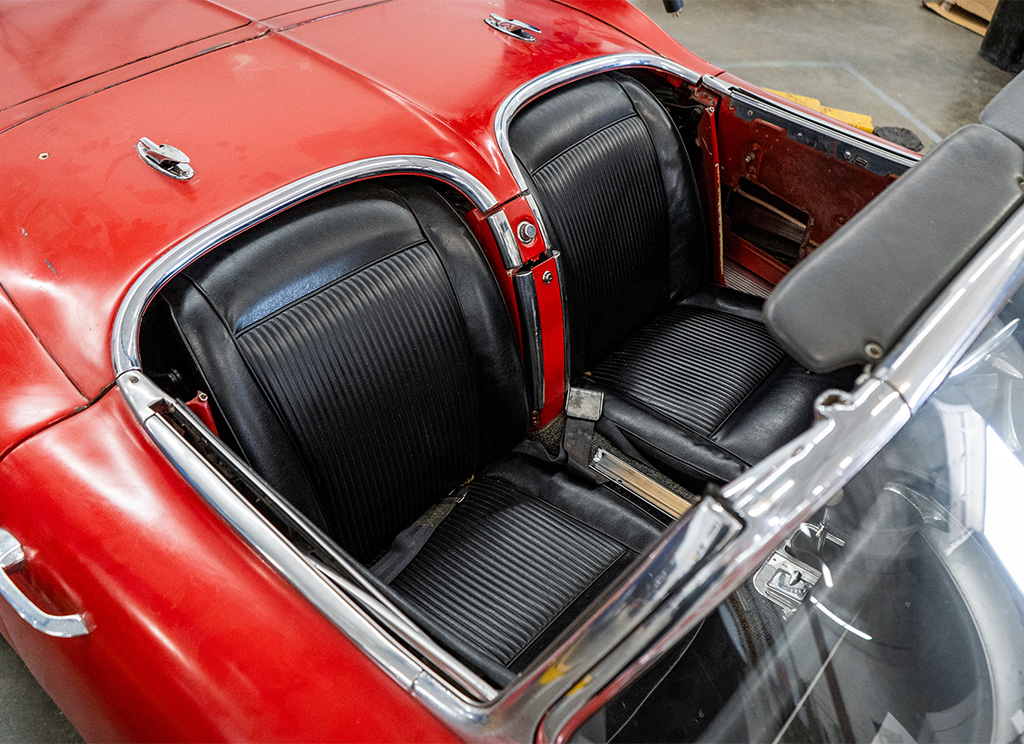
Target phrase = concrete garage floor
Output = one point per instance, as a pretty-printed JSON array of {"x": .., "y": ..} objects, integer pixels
[{"x": 891, "y": 59}]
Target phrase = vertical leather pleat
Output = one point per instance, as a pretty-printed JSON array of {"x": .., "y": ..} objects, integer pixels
[
  {"x": 692, "y": 365},
  {"x": 373, "y": 376},
  {"x": 605, "y": 208},
  {"x": 502, "y": 566}
]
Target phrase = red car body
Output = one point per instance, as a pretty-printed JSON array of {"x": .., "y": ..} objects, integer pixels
[{"x": 193, "y": 636}]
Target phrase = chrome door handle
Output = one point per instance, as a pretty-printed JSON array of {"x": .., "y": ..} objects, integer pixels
[{"x": 59, "y": 626}]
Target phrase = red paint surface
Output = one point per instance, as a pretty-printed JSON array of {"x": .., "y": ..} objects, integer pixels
[
  {"x": 549, "y": 300},
  {"x": 829, "y": 190},
  {"x": 194, "y": 637},
  {"x": 485, "y": 236},
  {"x": 48, "y": 44},
  {"x": 34, "y": 391}
]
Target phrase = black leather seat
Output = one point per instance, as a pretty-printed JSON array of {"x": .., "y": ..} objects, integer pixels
[
  {"x": 360, "y": 355},
  {"x": 692, "y": 378}
]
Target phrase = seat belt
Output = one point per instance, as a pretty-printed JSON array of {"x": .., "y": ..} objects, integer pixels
[
  {"x": 582, "y": 410},
  {"x": 411, "y": 540}
]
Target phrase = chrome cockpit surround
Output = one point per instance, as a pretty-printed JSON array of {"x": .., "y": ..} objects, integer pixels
[
  {"x": 848, "y": 428},
  {"x": 144, "y": 397},
  {"x": 693, "y": 567},
  {"x": 125, "y": 334},
  {"x": 527, "y": 92},
  {"x": 344, "y": 601}
]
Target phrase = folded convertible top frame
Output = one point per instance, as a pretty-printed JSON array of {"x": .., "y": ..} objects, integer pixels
[{"x": 699, "y": 561}]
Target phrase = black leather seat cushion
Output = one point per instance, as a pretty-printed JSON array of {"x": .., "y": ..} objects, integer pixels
[
  {"x": 513, "y": 562},
  {"x": 691, "y": 376},
  {"x": 618, "y": 199},
  {"x": 743, "y": 395}
]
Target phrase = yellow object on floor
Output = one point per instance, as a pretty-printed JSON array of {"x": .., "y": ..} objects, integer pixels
[{"x": 861, "y": 121}]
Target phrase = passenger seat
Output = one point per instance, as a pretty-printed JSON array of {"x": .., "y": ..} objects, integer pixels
[{"x": 691, "y": 377}]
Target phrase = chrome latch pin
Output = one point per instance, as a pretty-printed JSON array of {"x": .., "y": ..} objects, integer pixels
[{"x": 167, "y": 159}]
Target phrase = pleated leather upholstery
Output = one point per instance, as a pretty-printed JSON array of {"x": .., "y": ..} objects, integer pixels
[
  {"x": 363, "y": 361},
  {"x": 542, "y": 558},
  {"x": 619, "y": 202},
  {"x": 715, "y": 357},
  {"x": 405, "y": 371},
  {"x": 617, "y": 286},
  {"x": 361, "y": 355},
  {"x": 699, "y": 388}
]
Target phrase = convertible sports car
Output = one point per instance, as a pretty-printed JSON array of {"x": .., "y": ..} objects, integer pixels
[{"x": 401, "y": 370}]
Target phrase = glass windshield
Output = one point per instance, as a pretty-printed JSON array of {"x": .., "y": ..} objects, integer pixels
[{"x": 895, "y": 615}]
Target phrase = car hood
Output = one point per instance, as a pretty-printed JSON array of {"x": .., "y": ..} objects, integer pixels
[{"x": 54, "y": 51}]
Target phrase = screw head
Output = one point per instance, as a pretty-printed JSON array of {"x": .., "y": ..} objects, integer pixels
[
  {"x": 873, "y": 350},
  {"x": 527, "y": 232},
  {"x": 547, "y": 277}
]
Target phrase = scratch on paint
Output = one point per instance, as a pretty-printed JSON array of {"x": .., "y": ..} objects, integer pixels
[{"x": 51, "y": 267}]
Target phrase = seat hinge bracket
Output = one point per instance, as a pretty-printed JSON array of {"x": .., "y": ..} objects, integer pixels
[{"x": 582, "y": 410}]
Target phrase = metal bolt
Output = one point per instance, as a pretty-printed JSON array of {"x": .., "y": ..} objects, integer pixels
[
  {"x": 527, "y": 232},
  {"x": 133, "y": 378},
  {"x": 873, "y": 350},
  {"x": 547, "y": 277},
  {"x": 748, "y": 158}
]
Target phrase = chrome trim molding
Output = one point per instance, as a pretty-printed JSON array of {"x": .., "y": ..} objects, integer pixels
[
  {"x": 858, "y": 138},
  {"x": 781, "y": 491},
  {"x": 527, "y": 92},
  {"x": 771, "y": 505},
  {"x": 932, "y": 346},
  {"x": 698, "y": 562},
  {"x": 511, "y": 257},
  {"x": 317, "y": 582},
  {"x": 639, "y": 484},
  {"x": 525, "y": 284},
  {"x": 560, "y": 269},
  {"x": 125, "y": 340},
  {"x": 799, "y": 127}
]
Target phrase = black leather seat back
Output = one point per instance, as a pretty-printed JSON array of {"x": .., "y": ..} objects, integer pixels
[
  {"x": 618, "y": 198},
  {"x": 359, "y": 350}
]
